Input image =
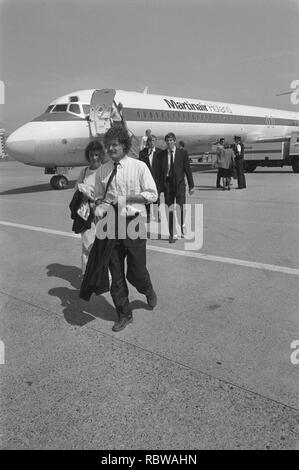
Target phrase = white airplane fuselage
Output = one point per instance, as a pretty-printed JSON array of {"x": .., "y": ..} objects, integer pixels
[{"x": 59, "y": 136}]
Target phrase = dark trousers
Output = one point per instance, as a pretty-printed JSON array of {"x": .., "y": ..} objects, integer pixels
[
  {"x": 240, "y": 173},
  {"x": 137, "y": 274},
  {"x": 218, "y": 180},
  {"x": 171, "y": 197}
]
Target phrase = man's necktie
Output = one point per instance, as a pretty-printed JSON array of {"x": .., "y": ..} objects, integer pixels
[
  {"x": 113, "y": 173},
  {"x": 171, "y": 173}
]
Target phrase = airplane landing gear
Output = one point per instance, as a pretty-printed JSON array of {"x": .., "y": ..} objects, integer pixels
[{"x": 59, "y": 182}]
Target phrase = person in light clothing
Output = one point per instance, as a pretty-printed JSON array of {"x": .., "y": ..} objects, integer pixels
[
  {"x": 225, "y": 165},
  {"x": 95, "y": 156},
  {"x": 144, "y": 138},
  {"x": 126, "y": 184}
]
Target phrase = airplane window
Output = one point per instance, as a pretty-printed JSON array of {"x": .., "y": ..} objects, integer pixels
[
  {"x": 59, "y": 108},
  {"x": 49, "y": 108},
  {"x": 151, "y": 115},
  {"x": 74, "y": 108},
  {"x": 86, "y": 108},
  {"x": 138, "y": 114}
]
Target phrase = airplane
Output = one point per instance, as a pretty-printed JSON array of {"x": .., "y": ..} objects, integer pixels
[{"x": 57, "y": 139}]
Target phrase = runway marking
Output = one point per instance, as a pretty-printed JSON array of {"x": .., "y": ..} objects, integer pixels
[
  {"x": 40, "y": 229},
  {"x": 40, "y": 203},
  {"x": 226, "y": 219},
  {"x": 172, "y": 251}
]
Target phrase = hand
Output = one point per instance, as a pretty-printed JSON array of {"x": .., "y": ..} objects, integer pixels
[
  {"x": 98, "y": 201},
  {"x": 100, "y": 212},
  {"x": 191, "y": 191},
  {"x": 120, "y": 201}
]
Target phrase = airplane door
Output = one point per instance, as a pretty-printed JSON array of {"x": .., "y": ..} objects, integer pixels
[{"x": 100, "y": 111}]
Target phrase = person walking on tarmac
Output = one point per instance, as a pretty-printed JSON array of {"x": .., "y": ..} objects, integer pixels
[
  {"x": 95, "y": 157},
  {"x": 174, "y": 167}
]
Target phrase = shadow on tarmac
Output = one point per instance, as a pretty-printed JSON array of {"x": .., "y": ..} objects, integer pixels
[
  {"x": 75, "y": 310},
  {"x": 206, "y": 188},
  {"x": 34, "y": 189}
]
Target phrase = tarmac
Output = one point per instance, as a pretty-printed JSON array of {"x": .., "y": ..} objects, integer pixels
[{"x": 209, "y": 368}]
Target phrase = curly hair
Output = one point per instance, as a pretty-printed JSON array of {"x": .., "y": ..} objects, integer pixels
[
  {"x": 121, "y": 134},
  {"x": 94, "y": 145}
]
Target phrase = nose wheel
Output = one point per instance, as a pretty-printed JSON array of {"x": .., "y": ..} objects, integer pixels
[{"x": 59, "y": 182}]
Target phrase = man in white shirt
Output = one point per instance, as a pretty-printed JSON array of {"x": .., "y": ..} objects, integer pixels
[
  {"x": 127, "y": 184},
  {"x": 143, "y": 142}
]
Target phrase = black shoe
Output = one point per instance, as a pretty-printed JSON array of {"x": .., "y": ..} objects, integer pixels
[
  {"x": 152, "y": 299},
  {"x": 172, "y": 240},
  {"x": 122, "y": 322}
]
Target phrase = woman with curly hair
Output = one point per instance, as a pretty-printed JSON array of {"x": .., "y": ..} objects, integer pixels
[{"x": 95, "y": 156}]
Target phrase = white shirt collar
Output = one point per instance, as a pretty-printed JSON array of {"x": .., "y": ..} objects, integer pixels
[{"x": 122, "y": 161}]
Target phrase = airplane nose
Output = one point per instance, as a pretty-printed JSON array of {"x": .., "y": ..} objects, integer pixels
[{"x": 19, "y": 147}]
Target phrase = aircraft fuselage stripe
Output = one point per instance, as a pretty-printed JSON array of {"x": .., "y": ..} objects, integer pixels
[
  {"x": 186, "y": 117},
  {"x": 158, "y": 115}
]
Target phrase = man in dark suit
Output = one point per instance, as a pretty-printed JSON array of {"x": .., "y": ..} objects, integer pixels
[
  {"x": 238, "y": 148},
  {"x": 174, "y": 166},
  {"x": 150, "y": 156}
]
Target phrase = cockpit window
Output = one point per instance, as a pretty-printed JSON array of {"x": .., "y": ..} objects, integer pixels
[
  {"x": 59, "y": 108},
  {"x": 74, "y": 108},
  {"x": 49, "y": 108},
  {"x": 86, "y": 108}
]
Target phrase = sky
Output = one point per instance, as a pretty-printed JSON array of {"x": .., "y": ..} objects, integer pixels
[{"x": 237, "y": 51}]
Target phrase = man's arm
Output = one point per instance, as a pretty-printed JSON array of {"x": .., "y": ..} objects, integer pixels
[
  {"x": 188, "y": 173},
  {"x": 148, "y": 187}
]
